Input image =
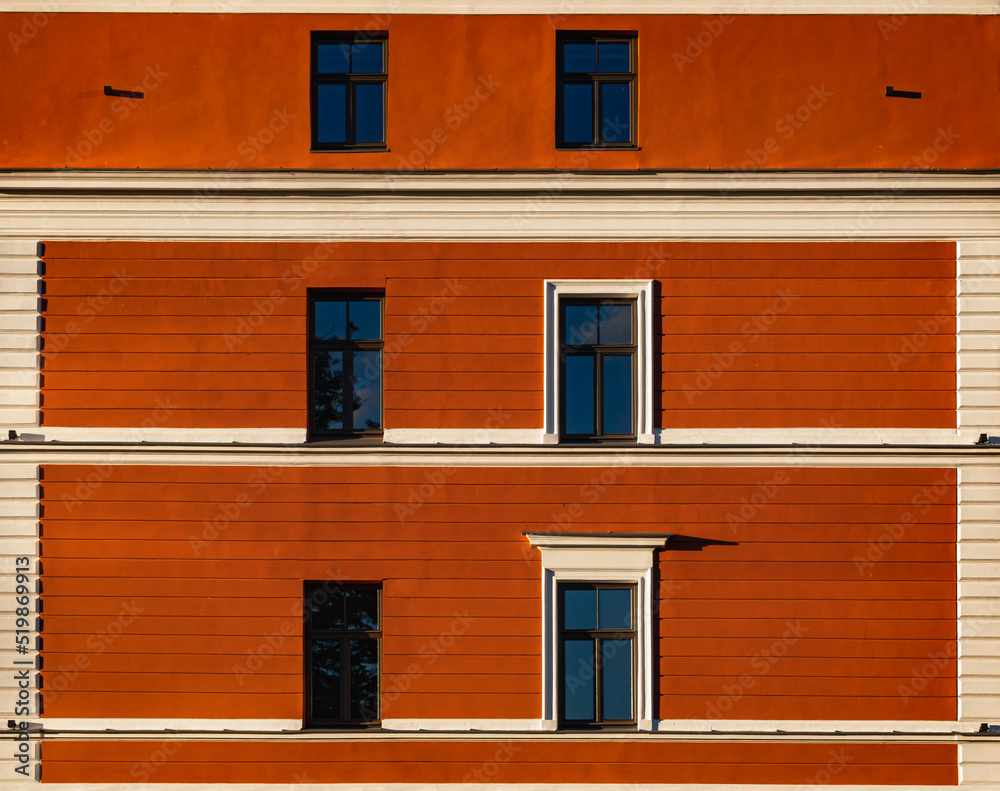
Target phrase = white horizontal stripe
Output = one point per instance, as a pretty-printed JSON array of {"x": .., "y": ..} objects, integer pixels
[
  {"x": 816, "y": 726},
  {"x": 555, "y": 8},
  {"x": 808, "y": 437},
  {"x": 115, "y": 724},
  {"x": 284, "y": 436},
  {"x": 461, "y": 725},
  {"x": 463, "y": 436}
]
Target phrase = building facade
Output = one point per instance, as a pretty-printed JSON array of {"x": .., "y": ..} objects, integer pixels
[{"x": 449, "y": 394}]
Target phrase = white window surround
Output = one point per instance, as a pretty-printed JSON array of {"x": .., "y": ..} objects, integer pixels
[
  {"x": 642, "y": 292},
  {"x": 598, "y": 557}
]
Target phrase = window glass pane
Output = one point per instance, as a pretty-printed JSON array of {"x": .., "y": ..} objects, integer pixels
[
  {"x": 328, "y": 390},
  {"x": 617, "y": 394},
  {"x": 369, "y": 112},
  {"x": 616, "y": 113},
  {"x": 364, "y": 680},
  {"x": 365, "y": 320},
  {"x": 362, "y": 608},
  {"x": 325, "y": 679},
  {"x": 578, "y": 401},
  {"x": 615, "y": 609},
  {"x": 331, "y": 113},
  {"x": 333, "y": 58},
  {"x": 578, "y": 113},
  {"x": 616, "y": 680},
  {"x": 616, "y": 324},
  {"x": 367, "y": 58},
  {"x": 578, "y": 681},
  {"x": 579, "y": 609},
  {"x": 579, "y": 57},
  {"x": 613, "y": 56},
  {"x": 325, "y": 608},
  {"x": 367, "y": 390},
  {"x": 581, "y": 324},
  {"x": 330, "y": 320}
]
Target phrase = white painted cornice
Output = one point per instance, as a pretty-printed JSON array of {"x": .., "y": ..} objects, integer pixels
[
  {"x": 543, "y": 206},
  {"x": 554, "y": 8}
]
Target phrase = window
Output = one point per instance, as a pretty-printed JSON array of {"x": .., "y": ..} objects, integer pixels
[
  {"x": 596, "y": 654},
  {"x": 343, "y": 641},
  {"x": 595, "y": 84},
  {"x": 346, "y": 365},
  {"x": 597, "y": 359},
  {"x": 597, "y": 614},
  {"x": 348, "y": 91}
]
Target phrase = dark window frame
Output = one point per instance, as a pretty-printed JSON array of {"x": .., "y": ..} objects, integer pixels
[
  {"x": 596, "y": 79},
  {"x": 598, "y": 636},
  {"x": 599, "y": 351},
  {"x": 344, "y": 636},
  {"x": 347, "y": 347},
  {"x": 350, "y": 80}
]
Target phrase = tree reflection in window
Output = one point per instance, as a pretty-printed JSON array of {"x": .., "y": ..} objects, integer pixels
[
  {"x": 343, "y": 640},
  {"x": 346, "y": 340}
]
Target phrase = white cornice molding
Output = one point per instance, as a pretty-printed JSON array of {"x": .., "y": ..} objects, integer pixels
[
  {"x": 555, "y": 8},
  {"x": 536, "y": 207}
]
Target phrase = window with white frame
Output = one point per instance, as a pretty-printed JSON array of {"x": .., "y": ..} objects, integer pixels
[
  {"x": 613, "y": 647},
  {"x": 598, "y": 361}
]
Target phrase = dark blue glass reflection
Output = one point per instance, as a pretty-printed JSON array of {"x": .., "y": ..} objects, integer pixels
[
  {"x": 331, "y": 113},
  {"x": 578, "y": 681},
  {"x": 369, "y": 112},
  {"x": 616, "y": 680},
  {"x": 617, "y": 394},
  {"x": 578, "y": 113},
  {"x": 613, "y": 56},
  {"x": 325, "y": 679},
  {"x": 328, "y": 390},
  {"x": 366, "y": 320},
  {"x": 360, "y": 606},
  {"x": 367, "y": 58},
  {"x": 364, "y": 680},
  {"x": 578, "y": 404},
  {"x": 616, "y": 113},
  {"x": 579, "y": 57},
  {"x": 367, "y": 390},
  {"x": 330, "y": 320},
  {"x": 581, "y": 324},
  {"x": 333, "y": 58},
  {"x": 616, "y": 324},
  {"x": 615, "y": 609},
  {"x": 579, "y": 609}
]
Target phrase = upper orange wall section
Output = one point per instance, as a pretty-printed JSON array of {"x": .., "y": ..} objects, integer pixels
[{"x": 740, "y": 92}]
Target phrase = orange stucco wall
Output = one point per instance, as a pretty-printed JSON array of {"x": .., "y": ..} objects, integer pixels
[
  {"x": 477, "y": 92},
  {"x": 745, "y": 334},
  {"x": 505, "y": 762},
  {"x": 785, "y": 594}
]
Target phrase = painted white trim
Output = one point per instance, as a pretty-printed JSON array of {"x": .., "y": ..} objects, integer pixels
[
  {"x": 13, "y": 786},
  {"x": 98, "y": 724},
  {"x": 557, "y": 9},
  {"x": 498, "y": 725},
  {"x": 809, "y": 437},
  {"x": 935, "y": 727},
  {"x": 462, "y": 436},
  {"x": 283, "y": 436},
  {"x": 597, "y": 558},
  {"x": 326, "y": 208},
  {"x": 642, "y": 292}
]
